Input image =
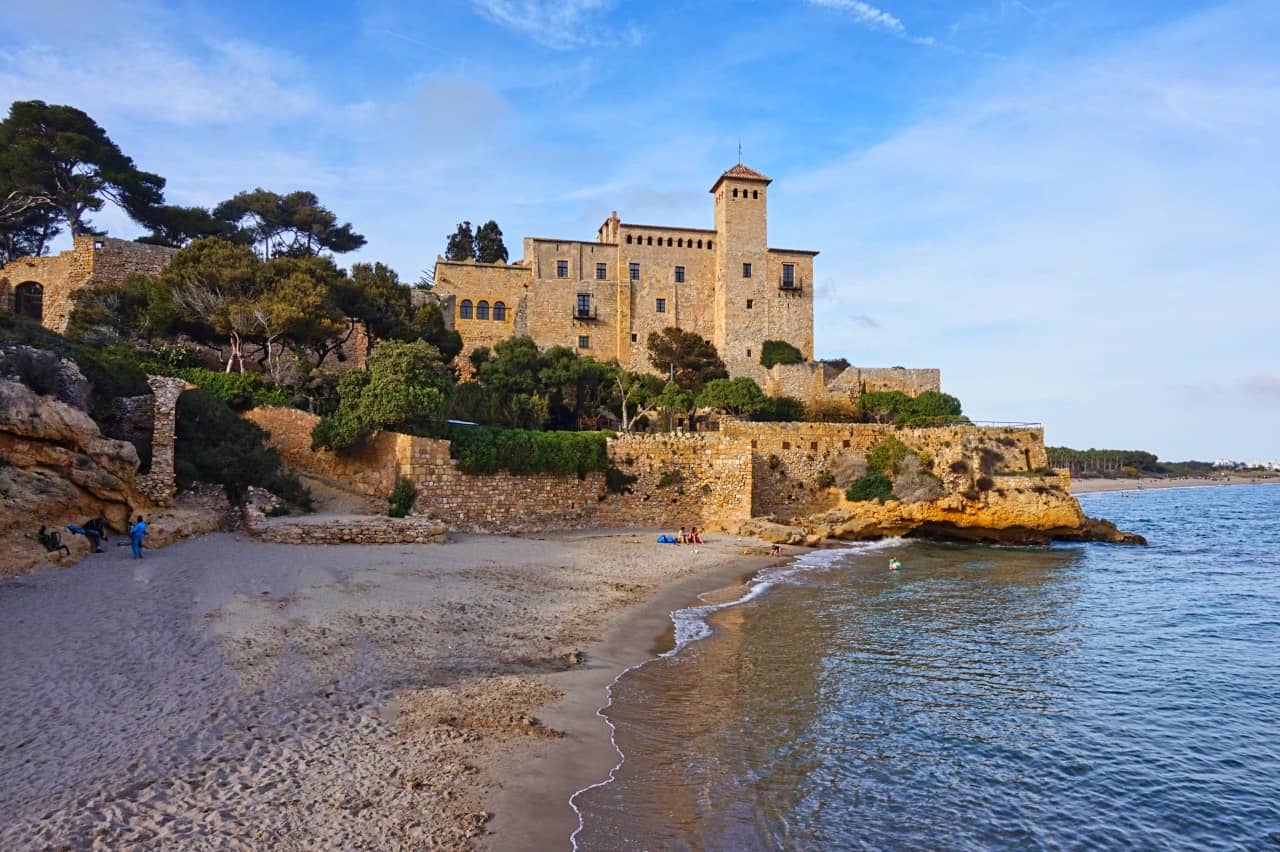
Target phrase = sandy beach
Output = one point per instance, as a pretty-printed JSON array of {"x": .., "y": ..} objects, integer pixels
[
  {"x": 1090, "y": 486},
  {"x": 223, "y": 693}
]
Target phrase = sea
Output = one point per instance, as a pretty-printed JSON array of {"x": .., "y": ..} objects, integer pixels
[{"x": 1080, "y": 696}]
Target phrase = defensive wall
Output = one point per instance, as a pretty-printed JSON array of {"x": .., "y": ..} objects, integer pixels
[
  {"x": 42, "y": 288},
  {"x": 824, "y": 383},
  {"x": 714, "y": 479}
]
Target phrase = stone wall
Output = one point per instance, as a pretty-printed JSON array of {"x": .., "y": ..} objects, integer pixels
[
  {"x": 818, "y": 382},
  {"x": 92, "y": 262},
  {"x": 160, "y": 484}
]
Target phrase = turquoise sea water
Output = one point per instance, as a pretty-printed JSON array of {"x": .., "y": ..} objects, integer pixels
[{"x": 1074, "y": 697}]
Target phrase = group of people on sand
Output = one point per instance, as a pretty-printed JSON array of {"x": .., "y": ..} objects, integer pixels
[
  {"x": 693, "y": 536},
  {"x": 95, "y": 529}
]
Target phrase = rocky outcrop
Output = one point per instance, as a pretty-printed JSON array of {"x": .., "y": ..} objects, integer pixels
[
  {"x": 56, "y": 468},
  {"x": 1027, "y": 513}
]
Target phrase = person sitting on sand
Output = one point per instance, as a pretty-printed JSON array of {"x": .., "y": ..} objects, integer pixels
[
  {"x": 95, "y": 530},
  {"x": 775, "y": 550},
  {"x": 695, "y": 537},
  {"x": 682, "y": 537}
]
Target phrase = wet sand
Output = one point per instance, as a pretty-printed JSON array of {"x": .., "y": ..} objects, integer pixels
[{"x": 223, "y": 693}]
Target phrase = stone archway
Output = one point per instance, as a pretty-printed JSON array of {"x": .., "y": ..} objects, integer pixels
[
  {"x": 28, "y": 300},
  {"x": 160, "y": 484}
]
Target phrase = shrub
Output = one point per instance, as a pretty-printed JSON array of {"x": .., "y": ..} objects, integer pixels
[
  {"x": 960, "y": 466},
  {"x": 733, "y": 396},
  {"x": 241, "y": 391},
  {"x": 830, "y": 411},
  {"x": 480, "y": 449},
  {"x": 872, "y": 486},
  {"x": 985, "y": 483},
  {"x": 669, "y": 477},
  {"x": 824, "y": 479},
  {"x": 215, "y": 445},
  {"x": 914, "y": 483},
  {"x": 887, "y": 456},
  {"x": 785, "y": 409},
  {"x": 403, "y": 496},
  {"x": 774, "y": 461},
  {"x": 779, "y": 352},
  {"x": 989, "y": 460},
  {"x": 174, "y": 356}
]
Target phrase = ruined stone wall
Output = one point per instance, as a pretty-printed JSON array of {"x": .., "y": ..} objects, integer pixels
[
  {"x": 913, "y": 382},
  {"x": 787, "y": 458}
]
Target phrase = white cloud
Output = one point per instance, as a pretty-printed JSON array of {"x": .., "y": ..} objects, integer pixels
[
  {"x": 864, "y": 13},
  {"x": 558, "y": 24}
]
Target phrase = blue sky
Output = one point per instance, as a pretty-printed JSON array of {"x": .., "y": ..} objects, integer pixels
[{"x": 1072, "y": 208}]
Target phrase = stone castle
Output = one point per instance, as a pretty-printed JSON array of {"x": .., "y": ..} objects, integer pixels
[
  {"x": 604, "y": 297},
  {"x": 601, "y": 298}
]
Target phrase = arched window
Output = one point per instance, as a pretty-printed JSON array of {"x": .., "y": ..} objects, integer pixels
[
  {"x": 735, "y": 193},
  {"x": 464, "y": 309},
  {"x": 482, "y": 310},
  {"x": 668, "y": 242},
  {"x": 628, "y": 239},
  {"x": 708, "y": 243},
  {"x": 651, "y": 241},
  {"x": 699, "y": 243},
  {"x": 28, "y": 301},
  {"x": 680, "y": 243},
  {"x": 499, "y": 312},
  {"x": 755, "y": 193}
]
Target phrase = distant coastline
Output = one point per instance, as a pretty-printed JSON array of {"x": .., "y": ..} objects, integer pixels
[{"x": 1090, "y": 486}]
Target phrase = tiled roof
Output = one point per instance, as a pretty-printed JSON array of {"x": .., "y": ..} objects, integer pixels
[{"x": 741, "y": 171}]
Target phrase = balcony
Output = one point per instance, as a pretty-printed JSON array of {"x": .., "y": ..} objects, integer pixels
[
  {"x": 791, "y": 285},
  {"x": 585, "y": 312}
]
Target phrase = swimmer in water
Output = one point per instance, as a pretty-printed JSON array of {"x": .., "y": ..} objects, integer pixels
[{"x": 894, "y": 564}]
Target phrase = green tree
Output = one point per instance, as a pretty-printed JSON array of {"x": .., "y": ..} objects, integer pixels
[
  {"x": 405, "y": 387},
  {"x": 214, "y": 284},
  {"x": 672, "y": 401},
  {"x": 462, "y": 244},
  {"x": 59, "y": 159},
  {"x": 740, "y": 396},
  {"x": 689, "y": 360},
  {"x": 176, "y": 226},
  {"x": 489, "y": 246},
  {"x": 635, "y": 393},
  {"x": 292, "y": 225}
]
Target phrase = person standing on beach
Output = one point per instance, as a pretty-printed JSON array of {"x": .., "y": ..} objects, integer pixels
[{"x": 136, "y": 532}]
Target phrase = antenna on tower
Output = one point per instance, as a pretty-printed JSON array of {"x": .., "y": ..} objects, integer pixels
[{"x": 739, "y": 151}]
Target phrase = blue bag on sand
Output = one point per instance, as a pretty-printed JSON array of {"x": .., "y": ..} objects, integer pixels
[
  {"x": 665, "y": 539},
  {"x": 72, "y": 528}
]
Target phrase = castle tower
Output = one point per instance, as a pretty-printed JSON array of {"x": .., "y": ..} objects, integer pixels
[{"x": 741, "y": 287}]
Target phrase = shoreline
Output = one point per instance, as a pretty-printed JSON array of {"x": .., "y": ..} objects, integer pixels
[
  {"x": 1094, "y": 486},
  {"x": 533, "y": 809}
]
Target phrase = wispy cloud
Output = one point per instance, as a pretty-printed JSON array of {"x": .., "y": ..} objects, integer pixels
[
  {"x": 873, "y": 17},
  {"x": 559, "y": 25},
  {"x": 865, "y": 321},
  {"x": 1265, "y": 387}
]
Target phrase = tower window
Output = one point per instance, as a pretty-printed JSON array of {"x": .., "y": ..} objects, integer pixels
[
  {"x": 668, "y": 242},
  {"x": 680, "y": 243},
  {"x": 499, "y": 312},
  {"x": 746, "y": 270},
  {"x": 562, "y": 269},
  {"x": 749, "y": 355},
  {"x": 735, "y": 192},
  {"x": 679, "y": 274},
  {"x": 635, "y": 271},
  {"x": 699, "y": 243},
  {"x": 602, "y": 270},
  {"x": 584, "y": 341},
  {"x": 633, "y": 337},
  {"x": 788, "y": 275},
  {"x": 482, "y": 310},
  {"x": 709, "y": 244},
  {"x": 464, "y": 309},
  {"x": 651, "y": 241},
  {"x": 755, "y": 193},
  {"x": 750, "y": 302},
  {"x": 661, "y": 306},
  {"x": 628, "y": 239}
]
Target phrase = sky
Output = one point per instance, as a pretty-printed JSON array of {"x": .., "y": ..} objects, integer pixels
[{"x": 1072, "y": 207}]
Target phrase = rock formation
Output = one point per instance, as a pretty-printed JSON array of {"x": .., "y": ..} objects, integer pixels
[{"x": 1017, "y": 514}]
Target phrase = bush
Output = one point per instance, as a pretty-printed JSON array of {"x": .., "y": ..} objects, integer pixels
[
  {"x": 985, "y": 483},
  {"x": 617, "y": 482},
  {"x": 886, "y": 457},
  {"x": 733, "y": 396},
  {"x": 873, "y": 486},
  {"x": 480, "y": 449},
  {"x": 112, "y": 371},
  {"x": 669, "y": 477},
  {"x": 779, "y": 352},
  {"x": 784, "y": 409},
  {"x": 914, "y": 483},
  {"x": 959, "y": 466},
  {"x": 215, "y": 445},
  {"x": 174, "y": 356},
  {"x": 403, "y": 496},
  {"x": 241, "y": 391},
  {"x": 824, "y": 479}
]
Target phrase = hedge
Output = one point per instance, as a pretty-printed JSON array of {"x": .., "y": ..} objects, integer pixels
[
  {"x": 241, "y": 391},
  {"x": 779, "y": 352},
  {"x": 480, "y": 449}
]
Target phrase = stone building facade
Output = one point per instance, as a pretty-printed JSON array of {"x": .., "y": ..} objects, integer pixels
[
  {"x": 604, "y": 297},
  {"x": 41, "y": 288}
]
